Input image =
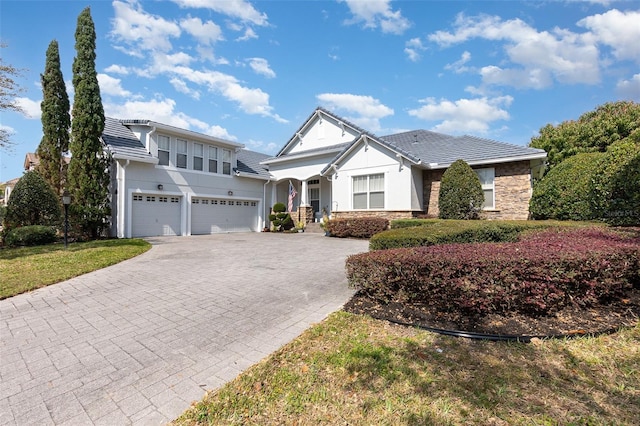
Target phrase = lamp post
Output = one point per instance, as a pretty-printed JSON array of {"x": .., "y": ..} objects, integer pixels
[{"x": 66, "y": 200}]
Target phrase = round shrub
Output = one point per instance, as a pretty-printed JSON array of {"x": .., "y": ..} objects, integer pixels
[
  {"x": 33, "y": 235},
  {"x": 563, "y": 194},
  {"x": 32, "y": 202},
  {"x": 461, "y": 195},
  {"x": 280, "y": 219}
]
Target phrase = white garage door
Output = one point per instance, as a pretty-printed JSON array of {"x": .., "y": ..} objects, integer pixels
[
  {"x": 155, "y": 215},
  {"x": 213, "y": 215}
]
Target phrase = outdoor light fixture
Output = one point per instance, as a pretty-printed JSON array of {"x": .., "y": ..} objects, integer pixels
[
  {"x": 66, "y": 200},
  {"x": 160, "y": 187},
  {"x": 230, "y": 193}
]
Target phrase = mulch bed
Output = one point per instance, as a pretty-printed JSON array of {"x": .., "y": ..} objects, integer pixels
[{"x": 569, "y": 321}]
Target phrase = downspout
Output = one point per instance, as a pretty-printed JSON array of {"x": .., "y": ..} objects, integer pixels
[
  {"x": 264, "y": 200},
  {"x": 123, "y": 207}
]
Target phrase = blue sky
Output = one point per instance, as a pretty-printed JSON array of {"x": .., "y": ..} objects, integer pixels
[{"x": 252, "y": 71}]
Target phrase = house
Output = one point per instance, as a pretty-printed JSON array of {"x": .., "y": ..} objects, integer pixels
[
  {"x": 346, "y": 171},
  {"x": 171, "y": 181}
]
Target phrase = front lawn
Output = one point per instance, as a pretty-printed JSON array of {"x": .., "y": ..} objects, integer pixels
[
  {"x": 28, "y": 268},
  {"x": 352, "y": 369}
]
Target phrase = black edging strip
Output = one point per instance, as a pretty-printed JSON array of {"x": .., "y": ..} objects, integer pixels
[{"x": 503, "y": 337}]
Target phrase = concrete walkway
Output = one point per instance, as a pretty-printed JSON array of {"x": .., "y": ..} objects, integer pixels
[{"x": 137, "y": 342}]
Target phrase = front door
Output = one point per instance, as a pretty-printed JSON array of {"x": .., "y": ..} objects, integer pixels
[{"x": 314, "y": 195}]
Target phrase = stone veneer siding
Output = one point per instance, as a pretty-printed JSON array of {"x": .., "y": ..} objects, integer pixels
[
  {"x": 387, "y": 214},
  {"x": 512, "y": 186}
]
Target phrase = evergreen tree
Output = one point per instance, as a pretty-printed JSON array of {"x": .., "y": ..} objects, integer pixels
[
  {"x": 55, "y": 122},
  {"x": 88, "y": 170},
  {"x": 461, "y": 195}
]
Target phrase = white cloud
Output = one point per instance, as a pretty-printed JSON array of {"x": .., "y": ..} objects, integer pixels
[
  {"x": 261, "y": 66},
  {"x": 206, "y": 33},
  {"x": 368, "y": 110},
  {"x": 413, "y": 48},
  {"x": 264, "y": 147},
  {"x": 239, "y": 9},
  {"x": 377, "y": 14},
  {"x": 629, "y": 89},
  {"x": 141, "y": 30},
  {"x": 111, "y": 86},
  {"x": 539, "y": 57},
  {"x": 162, "y": 111},
  {"x": 117, "y": 69},
  {"x": 619, "y": 30},
  {"x": 463, "y": 115},
  {"x": 30, "y": 107},
  {"x": 248, "y": 35},
  {"x": 459, "y": 66},
  {"x": 182, "y": 87}
]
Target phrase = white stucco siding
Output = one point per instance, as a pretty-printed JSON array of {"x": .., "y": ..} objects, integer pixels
[
  {"x": 321, "y": 133},
  {"x": 417, "y": 195},
  {"x": 369, "y": 160},
  {"x": 301, "y": 169}
]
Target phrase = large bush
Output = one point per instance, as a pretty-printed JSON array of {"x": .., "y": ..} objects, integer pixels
[
  {"x": 358, "y": 227},
  {"x": 541, "y": 274},
  {"x": 32, "y": 202},
  {"x": 563, "y": 194},
  {"x": 280, "y": 219},
  {"x": 461, "y": 195},
  {"x": 432, "y": 232},
  {"x": 33, "y": 235}
]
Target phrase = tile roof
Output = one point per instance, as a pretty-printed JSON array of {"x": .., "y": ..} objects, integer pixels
[
  {"x": 249, "y": 164},
  {"x": 121, "y": 141},
  {"x": 432, "y": 148}
]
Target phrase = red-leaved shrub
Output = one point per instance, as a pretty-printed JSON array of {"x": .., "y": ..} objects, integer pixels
[
  {"x": 358, "y": 227},
  {"x": 538, "y": 275}
]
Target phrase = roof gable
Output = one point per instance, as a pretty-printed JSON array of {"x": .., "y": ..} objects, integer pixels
[{"x": 122, "y": 143}]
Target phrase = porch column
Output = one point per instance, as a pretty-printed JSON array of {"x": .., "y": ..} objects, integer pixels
[{"x": 303, "y": 193}]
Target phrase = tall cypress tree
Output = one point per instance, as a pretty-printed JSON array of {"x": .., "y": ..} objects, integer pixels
[
  {"x": 88, "y": 175},
  {"x": 55, "y": 122}
]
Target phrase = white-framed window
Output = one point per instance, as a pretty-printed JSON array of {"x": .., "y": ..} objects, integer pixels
[
  {"x": 487, "y": 181},
  {"x": 198, "y": 156},
  {"x": 226, "y": 161},
  {"x": 368, "y": 192},
  {"x": 181, "y": 154},
  {"x": 213, "y": 159},
  {"x": 163, "y": 150}
]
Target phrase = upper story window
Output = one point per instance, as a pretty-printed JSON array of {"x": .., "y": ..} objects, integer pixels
[
  {"x": 163, "y": 150},
  {"x": 487, "y": 181},
  {"x": 181, "y": 154},
  {"x": 368, "y": 192},
  {"x": 198, "y": 156},
  {"x": 226, "y": 161},
  {"x": 213, "y": 159}
]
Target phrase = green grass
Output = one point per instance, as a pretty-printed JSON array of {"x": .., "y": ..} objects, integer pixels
[
  {"x": 354, "y": 370},
  {"x": 28, "y": 268}
]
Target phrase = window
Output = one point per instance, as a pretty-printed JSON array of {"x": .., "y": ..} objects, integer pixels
[
  {"x": 137, "y": 198},
  {"x": 181, "y": 154},
  {"x": 368, "y": 192},
  {"x": 175, "y": 199},
  {"x": 487, "y": 177},
  {"x": 151, "y": 199},
  {"x": 162, "y": 199},
  {"x": 213, "y": 159},
  {"x": 198, "y": 156},
  {"x": 226, "y": 161},
  {"x": 163, "y": 150}
]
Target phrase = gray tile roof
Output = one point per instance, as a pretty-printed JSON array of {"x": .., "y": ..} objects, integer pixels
[
  {"x": 432, "y": 147},
  {"x": 249, "y": 164},
  {"x": 121, "y": 141}
]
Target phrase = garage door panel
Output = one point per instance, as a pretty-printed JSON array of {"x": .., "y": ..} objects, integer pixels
[
  {"x": 215, "y": 215},
  {"x": 155, "y": 215}
]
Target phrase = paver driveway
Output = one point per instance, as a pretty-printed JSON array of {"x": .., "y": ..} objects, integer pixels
[{"x": 137, "y": 342}]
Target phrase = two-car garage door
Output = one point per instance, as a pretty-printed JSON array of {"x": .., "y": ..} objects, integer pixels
[{"x": 155, "y": 215}]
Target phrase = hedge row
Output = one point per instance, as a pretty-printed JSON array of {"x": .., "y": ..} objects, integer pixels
[
  {"x": 361, "y": 227},
  {"x": 33, "y": 235},
  {"x": 432, "y": 232},
  {"x": 538, "y": 275}
]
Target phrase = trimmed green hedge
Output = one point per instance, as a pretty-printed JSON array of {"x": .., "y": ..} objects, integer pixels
[
  {"x": 33, "y": 235},
  {"x": 430, "y": 232},
  {"x": 358, "y": 227}
]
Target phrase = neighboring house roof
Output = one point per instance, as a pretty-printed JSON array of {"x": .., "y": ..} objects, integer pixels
[
  {"x": 249, "y": 164},
  {"x": 437, "y": 150},
  {"x": 31, "y": 160},
  {"x": 123, "y": 144}
]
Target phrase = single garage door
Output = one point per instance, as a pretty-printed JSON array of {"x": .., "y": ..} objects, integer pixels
[
  {"x": 214, "y": 215},
  {"x": 155, "y": 215}
]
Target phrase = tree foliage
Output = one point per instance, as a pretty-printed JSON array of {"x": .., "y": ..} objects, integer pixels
[
  {"x": 32, "y": 202},
  {"x": 594, "y": 131},
  {"x": 55, "y": 121},
  {"x": 88, "y": 170},
  {"x": 9, "y": 90},
  {"x": 461, "y": 195}
]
